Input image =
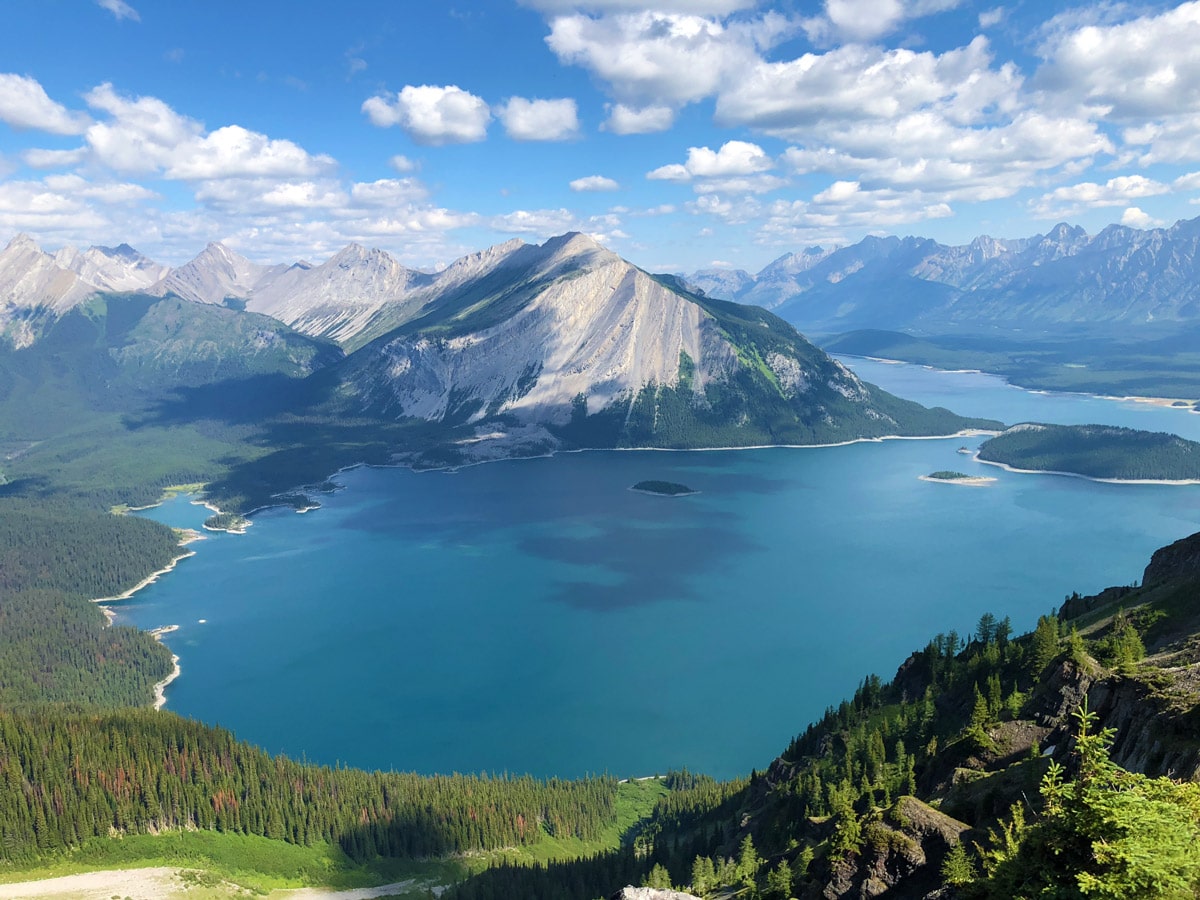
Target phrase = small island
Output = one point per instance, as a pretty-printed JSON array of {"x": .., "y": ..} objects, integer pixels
[
  {"x": 1102, "y": 452},
  {"x": 946, "y": 476},
  {"x": 663, "y": 488},
  {"x": 230, "y": 522}
]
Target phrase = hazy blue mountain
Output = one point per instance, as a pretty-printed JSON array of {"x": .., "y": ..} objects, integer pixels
[{"x": 1062, "y": 280}]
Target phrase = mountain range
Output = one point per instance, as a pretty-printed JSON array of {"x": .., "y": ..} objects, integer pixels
[
  {"x": 1062, "y": 281},
  {"x": 515, "y": 350}
]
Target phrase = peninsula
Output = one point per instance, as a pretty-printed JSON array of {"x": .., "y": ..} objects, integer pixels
[{"x": 1104, "y": 452}]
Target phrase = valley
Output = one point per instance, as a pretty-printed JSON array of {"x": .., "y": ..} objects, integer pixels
[{"x": 374, "y": 619}]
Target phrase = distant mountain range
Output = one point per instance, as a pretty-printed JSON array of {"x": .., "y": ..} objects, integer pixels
[
  {"x": 517, "y": 349},
  {"x": 1063, "y": 281}
]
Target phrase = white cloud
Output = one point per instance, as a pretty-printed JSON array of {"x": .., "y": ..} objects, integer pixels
[
  {"x": 539, "y": 120},
  {"x": 737, "y": 167},
  {"x": 146, "y": 135},
  {"x": 734, "y": 158},
  {"x": 108, "y": 192},
  {"x": 25, "y": 104},
  {"x": 670, "y": 172},
  {"x": 594, "y": 183},
  {"x": 142, "y": 135},
  {"x": 54, "y": 159},
  {"x": 1143, "y": 73},
  {"x": 866, "y": 20},
  {"x": 537, "y": 221},
  {"x": 1115, "y": 192},
  {"x": 624, "y": 119},
  {"x": 653, "y": 59},
  {"x": 432, "y": 115},
  {"x": 1135, "y": 218},
  {"x": 694, "y": 7},
  {"x": 1142, "y": 68},
  {"x": 233, "y": 151},
  {"x": 746, "y": 184},
  {"x": 120, "y": 9},
  {"x": 990, "y": 18},
  {"x": 389, "y": 192},
  {"x": 857, "y": 82},
  {"x": 402, "y": 164}
]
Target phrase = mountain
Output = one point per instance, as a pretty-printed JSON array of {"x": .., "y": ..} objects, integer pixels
[
  {"x": 112, "y": 268},
  {"x": 1062, "y": 280},
  {"x": 216, "y": 275},
  {"x": 33, "y": 286},
  {"x": 567, "y": 344},
  {"x": 340, "y": 298}
]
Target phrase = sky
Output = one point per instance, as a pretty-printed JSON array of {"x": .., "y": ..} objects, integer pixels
[{"x": 682, "y": 134}]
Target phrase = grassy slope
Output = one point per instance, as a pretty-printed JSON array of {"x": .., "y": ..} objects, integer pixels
[{"x": 261, "y": 865}]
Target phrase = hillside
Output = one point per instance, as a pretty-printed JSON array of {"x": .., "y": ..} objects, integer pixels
[
  {"x": 1095, "y": 451},
  {"x": 901, "y": 789},
  {"x": 568, "y": 345}
]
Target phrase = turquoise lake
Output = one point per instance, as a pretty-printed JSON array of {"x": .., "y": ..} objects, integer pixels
[{"x": 537, "y": 616}]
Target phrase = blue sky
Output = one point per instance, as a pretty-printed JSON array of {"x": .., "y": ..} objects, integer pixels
[{"x": 682, "y": 134}]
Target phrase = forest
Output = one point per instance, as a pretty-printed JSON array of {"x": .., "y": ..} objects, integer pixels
[{"x": 1097, "y": 451}]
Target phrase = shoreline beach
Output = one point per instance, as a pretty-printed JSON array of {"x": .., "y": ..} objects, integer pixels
[{"x": 1008, "y": 468}]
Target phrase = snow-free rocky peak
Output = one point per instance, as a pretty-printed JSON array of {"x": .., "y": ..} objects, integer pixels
[
  {"x": 215, "y": 275},
  {"x": 31, "y": 284},
  {"x": 340, "y": 298},
  {"x": 571, "y": 343}
]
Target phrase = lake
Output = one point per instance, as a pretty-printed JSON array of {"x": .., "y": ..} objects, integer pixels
[{"x": 538, "y": 616}]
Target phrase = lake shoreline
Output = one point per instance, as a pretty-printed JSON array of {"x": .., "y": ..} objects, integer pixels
[{"x": 1006, "y": 467}]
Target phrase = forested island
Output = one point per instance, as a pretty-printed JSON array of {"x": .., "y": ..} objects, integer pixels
[
  {"x": 230, "y": 522},
  {"x": 663, "y": 488},
  {"x": 1095, "y": 451},
  {"x": 945, "y": 475}
]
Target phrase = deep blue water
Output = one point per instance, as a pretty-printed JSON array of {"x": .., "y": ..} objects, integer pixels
[{"x": 537, "y": 616}]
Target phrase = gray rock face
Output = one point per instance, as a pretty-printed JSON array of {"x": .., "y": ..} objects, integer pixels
[
  {"x": 1178, "y": 560},
  {"x": 645, "y": 893}
]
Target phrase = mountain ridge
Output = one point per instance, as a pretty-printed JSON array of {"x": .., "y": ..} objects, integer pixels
[{"x": 1065, "y": 278}]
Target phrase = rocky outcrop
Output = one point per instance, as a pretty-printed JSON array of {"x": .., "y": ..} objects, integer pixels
[
  {"x": 647, "y": 893},
  {"x": 1178, "y": 560},
  {"x": 901, "y": 856}
]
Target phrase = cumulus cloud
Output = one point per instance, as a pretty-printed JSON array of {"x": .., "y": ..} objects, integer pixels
[
  {"x": 402, "y": 164},
  {"x": 120, "y": 9},
  {"x": 624, "y": 119},
  {"x": 25, "y": 104},
  {"x": 734, "y": 158},
  {"x": 146, "y": 135},
  {"x": 737, "y": 167},
  {"x": 389, "y": 192},
  {"x": 866, "y": 20},
  {"x": 594, "y": 183},
  {"x": 855, "y": 82},
  {"x": 1142, "y": 73},
  {"x": 53, "y": 159},
  {"x": 652, "y": 59},
  {"x": 107, "y": 192},
  {"x": 432, "y": 115},
  {"x": 535, "y": 221},
  {"x": 695, "y": 7},
  {"x": 1135, "y": 218},
  {"x": 1143, "y": 68},
  {"x": 1115, "y": 192},
  {"x": 539, "y": 120}
]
